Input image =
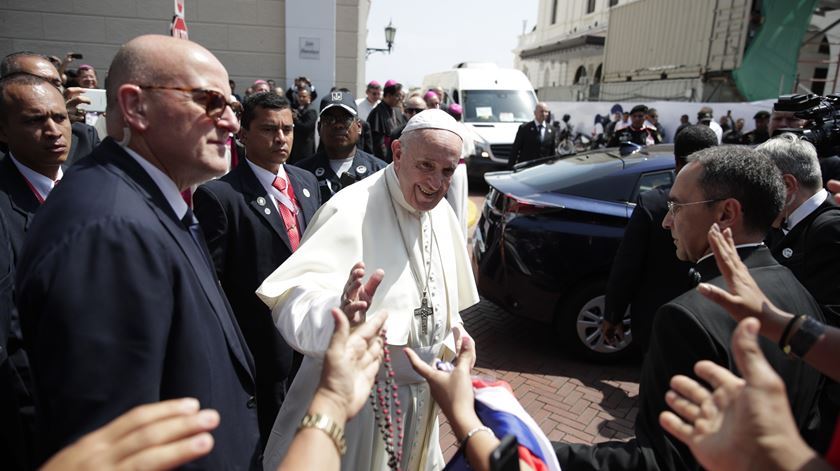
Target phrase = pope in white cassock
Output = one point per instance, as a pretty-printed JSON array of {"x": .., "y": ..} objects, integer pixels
[{"x": 392, "y": 222}]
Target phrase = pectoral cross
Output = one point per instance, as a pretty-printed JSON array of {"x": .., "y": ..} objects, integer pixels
[{"x": 424, "y": 312}]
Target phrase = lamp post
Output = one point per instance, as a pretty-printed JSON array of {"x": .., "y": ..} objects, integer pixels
[{"x": 390, "y": 32}]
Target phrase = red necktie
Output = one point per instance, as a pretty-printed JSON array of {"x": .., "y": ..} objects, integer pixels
[{"x": 289, "y": 217}]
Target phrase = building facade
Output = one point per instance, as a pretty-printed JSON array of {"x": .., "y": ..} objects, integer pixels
[
  {"x": 250, "y": 37},
  {"x": 681, "y": 50}
]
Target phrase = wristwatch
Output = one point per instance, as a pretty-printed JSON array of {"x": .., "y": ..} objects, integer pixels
[
  {"x": 328, "y": 426},
  {"x": 801, "y": 340}
]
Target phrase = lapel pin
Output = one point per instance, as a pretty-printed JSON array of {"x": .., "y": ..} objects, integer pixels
[
  {"x": 361, "y": 169},
  {"x": 267, "y": 211},
  {"x": 319, "y": 172},
  {"x": 261, "y": 201},
  {"x": 306, "y": 192},
  {"x": 787, "y": 252}
]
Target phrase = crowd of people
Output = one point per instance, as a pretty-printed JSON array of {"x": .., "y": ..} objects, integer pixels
[{"x": 224, "y": 282}]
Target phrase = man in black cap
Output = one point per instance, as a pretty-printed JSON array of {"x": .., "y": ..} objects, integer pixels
[
  {"x": 338, "y": 162},
  {"x": 761, "y": 132},
  {"x": 706, "y": 117},
  {"x": 638, "y": 131}
]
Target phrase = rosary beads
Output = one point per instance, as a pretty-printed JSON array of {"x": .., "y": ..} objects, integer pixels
[{"x": 384, "y": 398}]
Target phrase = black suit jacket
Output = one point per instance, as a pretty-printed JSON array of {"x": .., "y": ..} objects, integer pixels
[
  {"x": 120, "y": 308},
  {"x": 830, "y": 168},
  {"x": 528, "y": 146},
  {"x": 247, "y": 244},
  {"x": 811, "y": 250},
  {"x": 17, "y": 203},
  {"x": 17, "y": 209},
  {"x": 646, "y": 272},
  {"x": 17, "y": 429},
  {"x": 304, "y": 144},
  {"x": 689, "y": 329},
  {"x": 85, "y": 139}
]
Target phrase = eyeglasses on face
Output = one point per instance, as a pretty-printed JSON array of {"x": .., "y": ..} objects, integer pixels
[
  {"x": 214, "y": 102},
  {"x": 674, "y": 207},
  {"x": 331, "y": 120},
  {"x": 413, "y": 110}
]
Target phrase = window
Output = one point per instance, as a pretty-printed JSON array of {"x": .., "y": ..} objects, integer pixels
[
  {"x": 613, "y": 3},
  {"x": 649, "y": 181},
  {"x": 580, "y": 75},
  {"x": 554, "y": 12},
  {"x": 590, "y": 6},
  {"x": 498, "y": 106}
]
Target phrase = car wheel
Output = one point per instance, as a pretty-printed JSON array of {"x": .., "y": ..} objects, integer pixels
[{"x": 579, "y": 324}]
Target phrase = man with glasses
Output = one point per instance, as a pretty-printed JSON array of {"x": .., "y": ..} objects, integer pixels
[
  {"x": 338, "y": 162},
  {"x": 646, "y": 273},
  {"x": 738, "y": 189},
  {"x": 413, "y": 105},
  {"x": 119, "y": 301},
  {"x": 84, "y": 137},
  {"x": 253, "y": 219}
]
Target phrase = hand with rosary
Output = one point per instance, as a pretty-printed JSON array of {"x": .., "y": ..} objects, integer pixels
[
  {"x": 452, "y": 390},
  {"x": 357, "y": 296}
]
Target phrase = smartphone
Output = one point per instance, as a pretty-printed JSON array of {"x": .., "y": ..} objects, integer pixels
[
  {"x": 506, "y": 456},
  {"x": 76, "y": 55},
  {"x": 97, "y": 100}
]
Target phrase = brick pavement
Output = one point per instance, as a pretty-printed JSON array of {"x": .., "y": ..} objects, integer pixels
[{"x": 572, "y": 401}]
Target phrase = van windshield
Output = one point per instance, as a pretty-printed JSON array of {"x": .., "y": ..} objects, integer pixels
[{"x": 498, "y": 106}]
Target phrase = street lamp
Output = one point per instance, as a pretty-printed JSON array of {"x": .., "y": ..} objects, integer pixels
[{"x": 390, "y": 32}]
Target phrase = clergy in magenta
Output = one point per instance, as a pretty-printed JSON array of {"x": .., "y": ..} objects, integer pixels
[{"x": 383, "y": 244}]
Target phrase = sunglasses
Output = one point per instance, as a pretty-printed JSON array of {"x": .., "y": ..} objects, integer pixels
[
  {"x": 214, "y": 102},
  {"x": 333, "y": 120}
]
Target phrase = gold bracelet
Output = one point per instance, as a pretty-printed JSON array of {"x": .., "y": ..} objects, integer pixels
[{"x": 328, "y": 426}]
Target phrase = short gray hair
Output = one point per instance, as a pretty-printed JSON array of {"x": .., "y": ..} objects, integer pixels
[{"x": 794, "y": 156}]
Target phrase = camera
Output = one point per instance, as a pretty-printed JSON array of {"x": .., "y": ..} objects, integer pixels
[{"x": 823, "y": 115}]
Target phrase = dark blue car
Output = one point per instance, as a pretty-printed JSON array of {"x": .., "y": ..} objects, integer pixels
[{"x": 548, "y": 234}]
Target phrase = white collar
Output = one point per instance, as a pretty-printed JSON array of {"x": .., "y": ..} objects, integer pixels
[
  {"x": 264, "y": 176},
  {"x": 396, "y": 191},
  {"x": 41, "y": 183},
  {"x": 809, "y": 206},
  {"x": 166, "y": 185},
  {"x": 739, "y": 246}
]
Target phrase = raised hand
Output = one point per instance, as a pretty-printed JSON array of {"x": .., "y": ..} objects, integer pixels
[
  {"x": 453, "y": 390},
  {"x": 743, "y": 423},
  {"x": 357, "y": 296},
  {"x": 744, "y": 298},
  {"x": 157, "y": 436},
  {"x": 352, "y": 361}
]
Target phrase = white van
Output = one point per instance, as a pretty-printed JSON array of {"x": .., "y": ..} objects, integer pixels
[{"x": 495, "y": 102}]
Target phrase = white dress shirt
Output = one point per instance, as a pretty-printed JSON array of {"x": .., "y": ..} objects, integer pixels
[
  {"x": 40, "y": 183},
  {"x": 166, "y": 185}
]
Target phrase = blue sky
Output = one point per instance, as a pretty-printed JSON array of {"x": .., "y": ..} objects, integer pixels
[{"x": 433, "y": 35}]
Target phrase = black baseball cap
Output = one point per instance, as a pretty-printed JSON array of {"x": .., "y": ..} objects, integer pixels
[
  {"x": 339, "y": 98},
  {"x": 639, "y": 109}
]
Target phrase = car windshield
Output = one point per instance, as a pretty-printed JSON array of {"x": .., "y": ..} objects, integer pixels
[{"x": 498, "y": 106}]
